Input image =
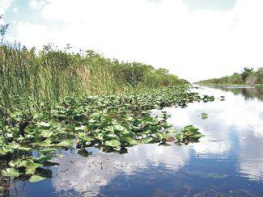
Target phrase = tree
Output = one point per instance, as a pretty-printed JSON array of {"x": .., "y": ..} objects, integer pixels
[
  {"x": 246, "y": 72},
  {"x": 3, "y": 29},
  {"x": 260, "y": 70},
  {"x": 162, "y": 71}
]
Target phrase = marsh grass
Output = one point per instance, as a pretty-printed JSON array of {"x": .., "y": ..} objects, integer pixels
[{"x": 33, "y": 81}]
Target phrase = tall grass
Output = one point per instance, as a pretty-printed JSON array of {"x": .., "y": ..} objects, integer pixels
[{"x": 31, "y": 80}]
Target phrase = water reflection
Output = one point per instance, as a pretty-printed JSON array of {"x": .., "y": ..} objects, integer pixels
[
  {"x": 88, "y": 175},
  {"x": 234, "y": 129},
  {"x": 247, "y": 92},
  {"x": 228, "y": 161},
  {"x": 4, "y": 182},
  {"x": 251, "y": 157},
  {"x": 232, "y": 149}
]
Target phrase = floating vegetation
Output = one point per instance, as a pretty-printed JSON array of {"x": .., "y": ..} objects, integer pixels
[
  {"x": 108, "y": 122},
  {"x": 222, "y": 98},
  {"x": 207, "y": 98},
  {"x": 204, "y": 116}
]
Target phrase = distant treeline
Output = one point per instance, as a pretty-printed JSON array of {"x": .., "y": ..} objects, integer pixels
[
  {"x": 248, "y": 76},
  {"x": 30, "y": 77}
]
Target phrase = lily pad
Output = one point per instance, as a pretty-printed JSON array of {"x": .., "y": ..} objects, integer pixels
[
  {"x": 10, "y": 172},
  {"x": 113, "y": 143},
  {"x": 146, "y": 140},
  {"x": 36, "y": 178},
  {"x": 65, "y": 143}
]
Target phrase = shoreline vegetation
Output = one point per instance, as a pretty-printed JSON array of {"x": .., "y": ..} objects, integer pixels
[
  {"x": 55, "y": 99},
  {"x": 45, "y": 77},
  {"x": 247, "y": 77}
]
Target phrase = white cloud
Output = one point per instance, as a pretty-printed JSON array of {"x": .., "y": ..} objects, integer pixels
[
  {"x": 4, "y": 5},
  {"x": 89, "y": 175},
  {"x": 36, "y": 4},
  {"x": 195, "y": 45},
  {"x": 15, "y": 10}
]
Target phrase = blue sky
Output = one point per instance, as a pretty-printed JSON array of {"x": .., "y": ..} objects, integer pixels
[{"x": 195, "y": 39}]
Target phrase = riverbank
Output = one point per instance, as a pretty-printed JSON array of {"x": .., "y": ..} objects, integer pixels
[
  {"x": 230, "y": 85},
  {"x": 248, "y": 76},
  {"x": 37, "y": 80}
]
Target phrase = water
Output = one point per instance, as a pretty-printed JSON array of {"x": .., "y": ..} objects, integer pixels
[{"x": 228, "y": 161}]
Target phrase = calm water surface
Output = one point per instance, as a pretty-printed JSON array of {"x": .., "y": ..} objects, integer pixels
[{"x": 228, "y": 161}]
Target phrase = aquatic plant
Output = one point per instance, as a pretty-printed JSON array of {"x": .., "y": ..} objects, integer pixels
[{"x": 110, "y": 122}]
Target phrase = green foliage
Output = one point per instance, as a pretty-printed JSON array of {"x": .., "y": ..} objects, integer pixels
[
  {"x": 246, "y": 72},
  {"x": 54, "y": 99},
  {"x": 34, "y": 82},
  {"x": 247, "y": 76},
  {"x": 36, "y": 178},
  {"x": 10, "y": 172},
  {"x": 108, "y": 122}
]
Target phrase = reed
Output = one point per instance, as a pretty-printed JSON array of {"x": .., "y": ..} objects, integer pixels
[{"x": 33, "y": 80}]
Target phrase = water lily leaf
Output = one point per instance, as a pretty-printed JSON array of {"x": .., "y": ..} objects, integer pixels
[
  {"x": 111, "y": 136},
  {"x": 130, "y": 140},
  {"x": 162, "y": 136},
  {"x": 46, "y": 143},
  {"x": 10, "y": 172},
  {"x": 5, "y": 151},
  {"x": 19, "y": 163},
  {"x": 47, "y": 151},
  {"x": 146, "y": 140},
  {"x": 110, "y": 129},
  {"x": 204, "y": 116},
  {"x": 81, "y": 134},
  {"x": 87, "y": 139},
  {"x": 165, "y": 125},
  {"x": 43, "y": 158},
  {"x": 81, "y": 128},
  {"x": 24, "y": 149},
  {"x": 36, "y": 178},
  {"x": 14, "y": 145},
  {"x": 135, "y": 128},
  {"x": 190, "y": 128},
  {"x": 159, "y": 135},
  {"x": 113, "y": 143},
  {"x": 65, "y": 143},
  {"x": 187, "y": 133},
  {"x": 119, "y": 128},
  {"x": 44, "y": 124},
  {"x": 197, "y": 136},
  {"x": 31, "y": 168},
  {"x": 46, "y": 133},
  {"x": 179, "y": 137}
]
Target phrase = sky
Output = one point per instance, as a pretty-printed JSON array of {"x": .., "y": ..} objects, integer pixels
[{"x": 195, "y": 39}]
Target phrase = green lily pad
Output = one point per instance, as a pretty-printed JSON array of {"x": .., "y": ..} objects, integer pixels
[
  {"x": 10, "y": 172},
  {"x": 36, "y": 178},
  {"x": 113, "y": 143},
  {"x": 65, "y": 143},
  {"x": 47, "y": 151},
  {"x": 204, "y": 116},
  {"x": 43, "y": 158},
  {"x": 44, "y": 124},
  {"x": 130, "y": 140},
  {"x": 146, "y": 140},
  {"x": 46, "y": 133},
  {"x": 5, "y": 151}
]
